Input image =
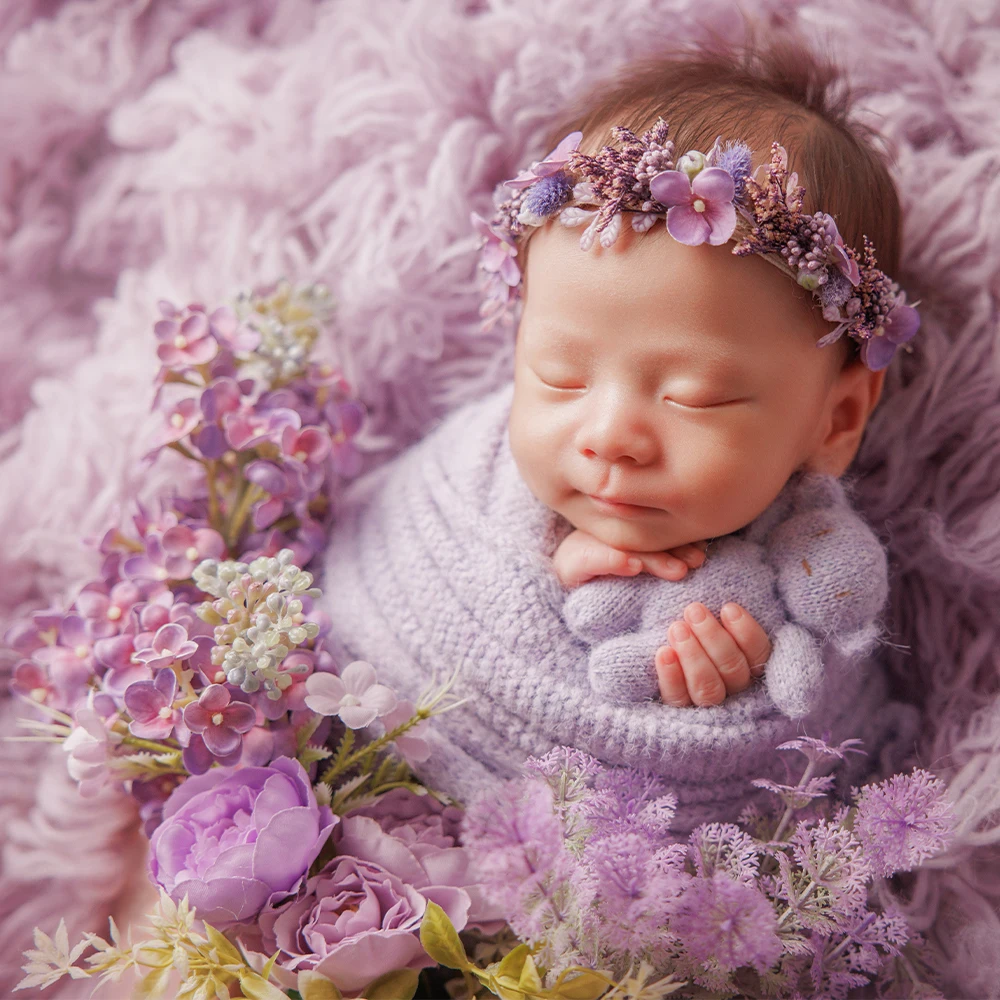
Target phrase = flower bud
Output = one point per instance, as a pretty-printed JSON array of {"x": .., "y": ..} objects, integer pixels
[{"x": 692, "y": 163}]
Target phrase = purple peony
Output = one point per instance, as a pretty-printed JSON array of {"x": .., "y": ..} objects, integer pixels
[
  {"x": 233, "y": 840},
  {"x": 354, "y": 921},
  {"x": 417, "y": 838}
]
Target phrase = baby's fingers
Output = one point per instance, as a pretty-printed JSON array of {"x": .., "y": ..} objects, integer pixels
[{"x": 748, "y": 635}]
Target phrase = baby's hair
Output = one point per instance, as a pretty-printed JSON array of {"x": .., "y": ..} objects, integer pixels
[{"x": 779, "y": 89}]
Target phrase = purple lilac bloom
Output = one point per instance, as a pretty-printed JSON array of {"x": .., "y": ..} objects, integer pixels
[
  {"x": 345, "y": 420},
  {"x": 900, "y": 326},
  {"x": 549, "y": 165},
  {"x": 308, "y": 446},
  {"x": 246, "y": 428},
  {"x": 105, "y": 612},
  {"x": 219, "y": 720},
  {"x": 497, "y": 252},
  {"x": 185, "y": 341},
  {"x": 232, "y": 841},
  {"x": 182, "y": 418},
  {"x": 281, "y": 486},
  {"x": 32, "y": 682},
  {"x": 150, "y": 703},
  {"x": 903, "y": 821},
  {"x": 701, "y": 210},
  {"x": 728, "y": 921},
  {"x": 169, "y": 645}
]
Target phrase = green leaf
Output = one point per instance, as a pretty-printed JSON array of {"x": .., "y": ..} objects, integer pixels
[
  {"x": 255, "y": 987},
  {"x": 398, "y": 985},
  {"x": 154, "y": 985},
  {"x": 226, "y": 950},
  {"x": 310, "y": 754},
  {"x": 440, "y": 939},
  {"x": 313, "y": 986},
  {"x": 513, "y": 962},
  {"x": 585, "y": 984},
  {"x": 529, "y": 980}
]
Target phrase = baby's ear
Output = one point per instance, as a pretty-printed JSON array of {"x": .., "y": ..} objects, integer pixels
[{"x": 849, "y": 403}]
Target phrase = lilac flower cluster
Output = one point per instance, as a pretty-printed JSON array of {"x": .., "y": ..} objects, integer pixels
[
  {"x": 195, "y": 672},
  {"x": 582, "y": 863},
  {"x": 701, "y": 197}
]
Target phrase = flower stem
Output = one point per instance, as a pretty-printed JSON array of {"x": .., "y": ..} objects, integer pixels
[
  {"x": 790, "y": 810},
  {"x": 339, "y": 767},
  {"x": 214, "y": 512},
  {"x": 251, "y": 494}
]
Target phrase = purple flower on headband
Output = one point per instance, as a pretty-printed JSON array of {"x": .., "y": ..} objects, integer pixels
[
  {"x": 900, "y": 325},
  {"x": 701, "y": 210},
  {"x": 551, "y": 164},
  {"x": 498, "y": 252}
]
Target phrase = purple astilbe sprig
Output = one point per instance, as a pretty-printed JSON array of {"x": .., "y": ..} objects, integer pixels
[
  {"x": 724, "y": 848},
  {"x": 625, "y": 890},
  {"x": 834, "y": 861},
  {"x": 630, "y": 799},
  {"x": 728, "y": 921},
  {"x": 903, "y": 821},
  {"x": 516, "y": 844}
]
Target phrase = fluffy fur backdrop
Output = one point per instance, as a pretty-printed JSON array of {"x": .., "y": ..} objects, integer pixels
[{"x": 185, "y": 148}]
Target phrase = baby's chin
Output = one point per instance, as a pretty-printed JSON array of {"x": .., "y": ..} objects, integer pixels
[{"x": 650, "y": 533}]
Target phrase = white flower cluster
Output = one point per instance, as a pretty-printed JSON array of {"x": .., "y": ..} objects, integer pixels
[
  {"x": 258, "y": 618},
  {"x": 288, "y": 321}
]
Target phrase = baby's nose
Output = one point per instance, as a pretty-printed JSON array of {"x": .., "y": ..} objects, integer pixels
[{"x": 618, "y": 433}]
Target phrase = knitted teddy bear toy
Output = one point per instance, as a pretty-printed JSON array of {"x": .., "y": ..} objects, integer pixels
[{"x": 809, "y": 570}]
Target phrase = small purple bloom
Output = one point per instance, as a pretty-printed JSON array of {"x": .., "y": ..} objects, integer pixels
[
  {"x": 150, "y": 703},
  {"x": 185, "y": 342},
  {"x": 308, "y": 446},
  {"x": 497, "y": 252},
  {"x": 736, "y": 159},
  {"x": 169, "y": 645},
  {"x": 701, "y": 210},
  {"x": 551, "y": 164},
  {"x": 233, "y": 840},
  {"x": 729, "y": 921},
  {"x": 900, "y": 326},
  {"x": 219, "y": 720},
  {"x": 106, "y": 613},
  {"x": 182, "y": 418},
  {"x": 903, "y": 821}
]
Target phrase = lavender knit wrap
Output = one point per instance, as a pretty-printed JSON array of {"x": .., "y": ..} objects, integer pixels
[{"x": 444, "y": 557}]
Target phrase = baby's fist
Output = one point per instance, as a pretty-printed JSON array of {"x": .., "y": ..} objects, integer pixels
[
  {"x": 581, "y": 557},
  {"x": 706, "y": 660}
]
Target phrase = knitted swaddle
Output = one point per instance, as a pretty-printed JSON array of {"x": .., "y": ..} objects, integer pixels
[{"x": 444, "y": 557}]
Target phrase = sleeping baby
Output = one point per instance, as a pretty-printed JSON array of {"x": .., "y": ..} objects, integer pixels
[{"x": 615, "y": 545}]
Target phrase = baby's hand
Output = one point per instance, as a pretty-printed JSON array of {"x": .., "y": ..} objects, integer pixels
[
  {"x": 580, "y": 557},
  {"x": 708, "y": 661}
]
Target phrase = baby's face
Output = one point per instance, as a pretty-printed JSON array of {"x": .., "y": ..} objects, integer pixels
[{"x": 682, "y": 381}]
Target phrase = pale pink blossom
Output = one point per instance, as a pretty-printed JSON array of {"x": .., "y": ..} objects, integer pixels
[{"x": 354, "y": 696}]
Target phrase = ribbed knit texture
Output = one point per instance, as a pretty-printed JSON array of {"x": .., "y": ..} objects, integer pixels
[{"x": 443, "y": 557}]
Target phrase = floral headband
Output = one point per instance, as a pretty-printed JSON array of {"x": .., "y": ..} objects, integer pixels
[{"x": 704, "y": 198}]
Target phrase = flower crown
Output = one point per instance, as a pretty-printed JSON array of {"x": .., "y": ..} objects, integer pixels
[{"x": 705, "y": 198}]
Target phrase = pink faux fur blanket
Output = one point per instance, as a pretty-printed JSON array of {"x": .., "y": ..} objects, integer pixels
[{"x": 184, "y": 149}]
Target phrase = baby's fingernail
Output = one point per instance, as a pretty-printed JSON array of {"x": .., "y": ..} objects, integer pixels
[
  {"x": 635, "y": 564},
  {"x": 732, "y": 612}
]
